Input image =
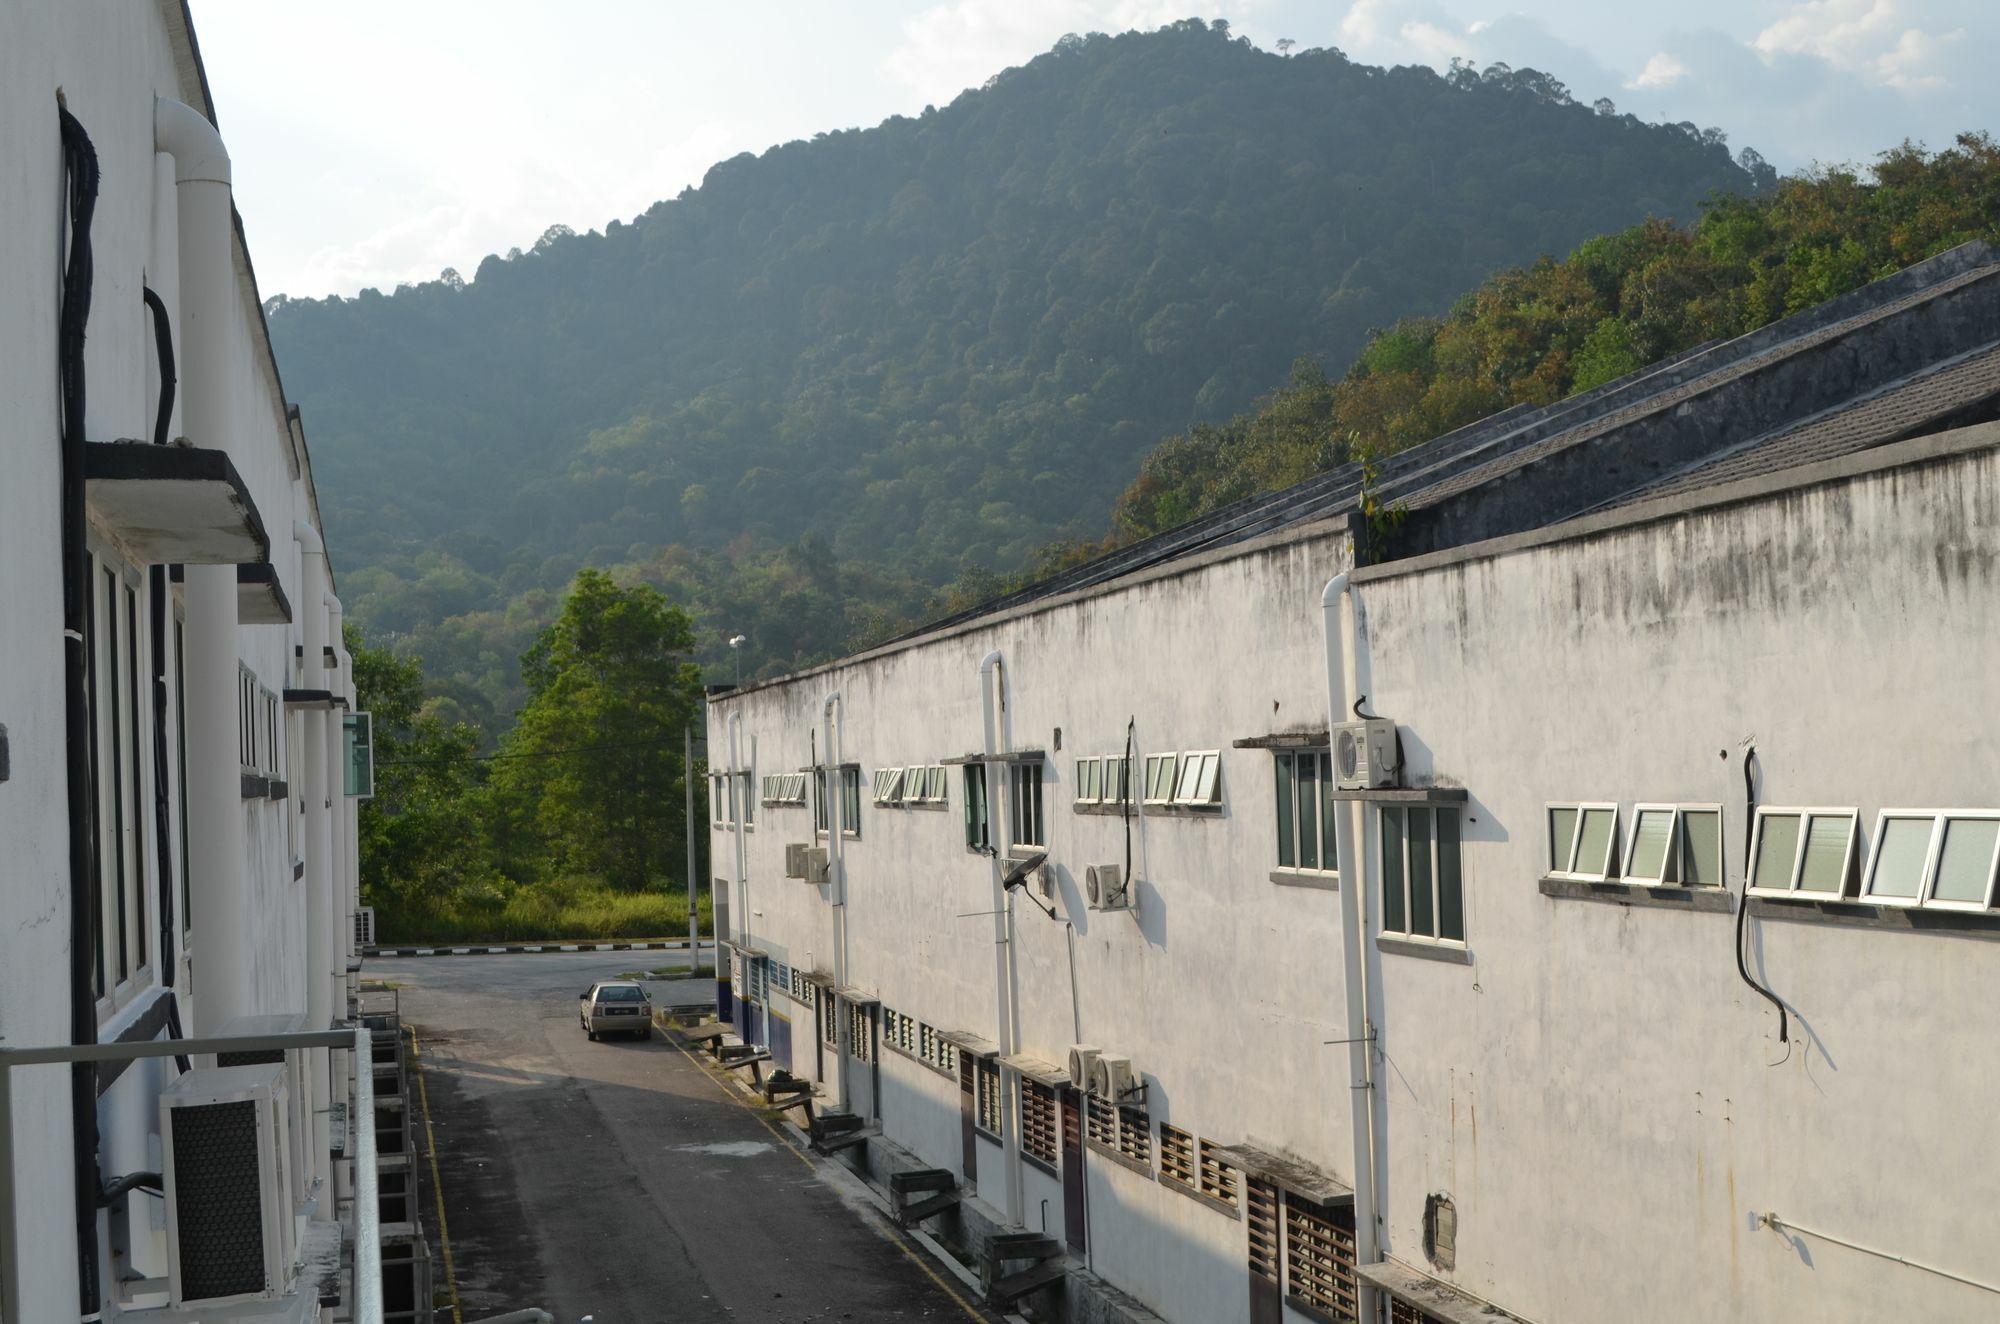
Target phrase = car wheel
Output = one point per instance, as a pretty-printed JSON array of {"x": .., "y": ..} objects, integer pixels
[{"x": 646, "y": 1033}]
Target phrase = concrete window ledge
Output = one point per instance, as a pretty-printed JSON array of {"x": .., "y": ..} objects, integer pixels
[
  {"x": 1423, "y": 951},
  {"x": 1907, "y": 919},
  {"x": 1150, "y": 811},
  {"x": 1144, "y": 1170},
  {"x": 1315, "y": 878},
  {"x": 1712, "y": 899},
  {"x": 1200, "y": 1196}
]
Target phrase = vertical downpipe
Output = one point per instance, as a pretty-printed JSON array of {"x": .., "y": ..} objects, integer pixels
[
  {"x": 1354, "y": 948},
  {"x": 836, "y": 879},
  {"x": 217, "y": 873},
  {"x": 992, "y": 696},
  {"x": 316, "y": 843}
]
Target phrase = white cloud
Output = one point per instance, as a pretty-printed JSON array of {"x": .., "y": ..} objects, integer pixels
[
  {"x": 1663, "y": 70},
  {"x": 1870, "y": 38}
]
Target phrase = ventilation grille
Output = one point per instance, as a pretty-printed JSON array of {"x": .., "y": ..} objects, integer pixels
[
  {"x": 217, "y": 1201},
  {"x": 253, "y": 1057}
]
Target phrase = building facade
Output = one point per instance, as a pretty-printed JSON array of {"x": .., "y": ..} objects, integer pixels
[
  {"x": 177, "y": 830},
  {"x": 1639, "y": 982}
]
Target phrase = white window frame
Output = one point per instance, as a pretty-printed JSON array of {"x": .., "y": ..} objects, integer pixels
[
  {"x": 1673, "y": 865},
  {"x": 1090, "y": 780},
  {"x": 127, "y": 838},
  {"x": 1581, "y": 807},
  {"x": 1171, "y": 763},
  {"x": 1027, "y": 806},
  {"x": 1117, "y": 770},
  {"x": 1405, "y": 933},
  {"x": 1202, "y": 767},
  {"x": 888, "y": 786},
  {"x": 1805, "y": 814},
  {"x": 1325, "y": 820},
  {"x": 1926, "y": 897}
]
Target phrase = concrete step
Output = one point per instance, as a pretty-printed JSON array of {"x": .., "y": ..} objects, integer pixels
[
  {"x": 1006, "y": 1291},
  {"x": 918, "y": 1180},
  {"x": 910, "y": 1215}
]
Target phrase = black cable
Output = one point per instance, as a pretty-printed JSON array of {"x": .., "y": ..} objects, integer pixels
[
  {"x": 111, "y": 1191},
  {"x": 1125, "y": 802},
  {"x": 1743, "y": 907},
  {"x": 82, "y": 176},
  {"x": 163, "y": 341}
]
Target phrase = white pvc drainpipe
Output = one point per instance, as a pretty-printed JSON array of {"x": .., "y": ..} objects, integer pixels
[
  {"x": 1340, "y": 694},
  {"x": 992, "y": 685},
  {"x": 836, "y": 879},
  {"x": 317, "y": 844},
  {"x": 208, "y": 312}
]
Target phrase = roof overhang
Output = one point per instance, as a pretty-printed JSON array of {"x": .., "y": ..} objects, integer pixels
[
  {"x": 174, "y": 505},
  {"x": 1045, "y": 1073},
  {"x": 314, "y": 699},
  {"x": 1437, "y": 1300},
  {"x": 859, "y": 997},
  {"x": 971, "y": 1044},
  {"x": 1294, "y": 1174},
  {"x": 999, "y": 756}
]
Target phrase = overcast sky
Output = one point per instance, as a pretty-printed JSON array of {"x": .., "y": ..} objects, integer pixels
[{"x": 380, "y": 142}]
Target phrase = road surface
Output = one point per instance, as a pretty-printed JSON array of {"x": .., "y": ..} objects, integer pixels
[{"x": 618, "y": 1180}]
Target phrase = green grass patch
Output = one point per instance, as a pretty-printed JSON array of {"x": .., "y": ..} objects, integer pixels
[{"x": 567, "y": 909}]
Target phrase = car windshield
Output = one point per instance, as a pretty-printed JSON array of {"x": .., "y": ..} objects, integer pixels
[{"x": 620, "y": 993}]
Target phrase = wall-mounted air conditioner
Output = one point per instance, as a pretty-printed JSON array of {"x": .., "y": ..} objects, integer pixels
[
  {"x": 1112, "y": 1077},
  {"x": 1082, "y": 1057},
  {"x": 364, "y": 926},
  {"x": 795, "y": 859},
  {"x": 1365, "y": 754},
  {"x": 1105, "y": 887},
  {"x": 818, "y": 870},
  {"x": 228, "y": 1190}
]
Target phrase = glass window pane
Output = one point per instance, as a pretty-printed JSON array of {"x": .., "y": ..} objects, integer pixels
[
  {"x": 1651, "y": 835},
  {"x": 1777, "y": 851},
  {"x": 1211, "y": 773},
  {"x": 1900, "y": 858},
  {"x": 1701, "y": 847},
  {"x": 1190, "y": 779},
  {"x": 1418, "y": 842},
  {"x": 1825, "y": 865},
  {"x": 1562, "y": 836},
  {"x": 1451, "y": 888},
  {"x": 1393, "y": 920},
  {"x": 1965, "y": 866},
  {"x": 1329, "y": 858},
  {"x": 1308, "y": 806},
  {"x": 1593, "y": 842},
  {"x": 1287, "y": 852}
]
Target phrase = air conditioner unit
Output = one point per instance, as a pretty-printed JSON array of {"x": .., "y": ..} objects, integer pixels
[
  {"x": 795, "y": 859},
  {"x": 364, "y": 926},
  {"x": 818, "y": 871},
  {"x": 1082, "y": 1057},
  {"x": 228, "y": 1190},
  {"x": 1112, "y": 1077},
  {"x": 1105, "y": 888},
  {"x": 1365, "y": 754}
]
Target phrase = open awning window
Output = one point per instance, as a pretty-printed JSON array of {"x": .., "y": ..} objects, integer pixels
[{"x": 174, "y": 505}]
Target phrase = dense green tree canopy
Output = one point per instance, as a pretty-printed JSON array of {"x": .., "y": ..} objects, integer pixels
[{"x": 856, "y": 369}]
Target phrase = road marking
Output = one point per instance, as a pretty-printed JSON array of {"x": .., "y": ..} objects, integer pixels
[
  {"x": 437, "y": 1187},
  {"x": 729, "y": 1091}
]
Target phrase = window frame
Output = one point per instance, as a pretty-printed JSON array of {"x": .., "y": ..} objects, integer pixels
[
  {"x": 1090, "y": 780},
  {"x": 1041, "y": 1123},
  {"x": 888, "y": 786},
  {"x": 1581, "y": 808},
  {"x": 1027, "y": 821},
  {"x": 989, "y": 1098},
  {"x": 1171, "y": 762},
  {"x": 1204, "y": 768},
  {"x": 978, "y": 815},
  {"x": 1927, "y": 878},
  {"x": 1405, "y": 933},
  {"x": 1673, "y": 865},
  {"x": 1286, "y": 791},
  {"x": 1805, "y": 814}
]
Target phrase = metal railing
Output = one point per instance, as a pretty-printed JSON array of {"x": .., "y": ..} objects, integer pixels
[{"x": 367, "y": 1305}]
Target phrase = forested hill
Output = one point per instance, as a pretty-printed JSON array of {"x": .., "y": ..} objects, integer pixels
[{"x": 930, "y": 346}]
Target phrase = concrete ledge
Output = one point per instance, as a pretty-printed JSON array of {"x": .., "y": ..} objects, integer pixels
[
  {"x": 1143, "y": 1169},
  {"x": 1423, "y": 951},
  {"x": 1908, "y": 919},
  {"x": 1711, "y": 899},
  {"x": 1322, "y": 881},
  {"x": 1200, "y": 1196}
]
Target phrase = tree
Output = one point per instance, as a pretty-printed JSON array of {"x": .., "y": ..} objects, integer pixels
[{"x": 592, "y": 770}]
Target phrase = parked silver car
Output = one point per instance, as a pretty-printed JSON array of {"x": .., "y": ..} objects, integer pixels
[{"x": 616, "y": 1006}]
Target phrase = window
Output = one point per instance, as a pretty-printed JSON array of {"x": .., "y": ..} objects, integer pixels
[
  {"x": 1200, "y": 778},
  {"x": 781, "y": 977},
  {"x": 1423, "y": 894},
  {"x": 850, "y": 800},
  {"x": 924, "y": 784},
  {"x": 978, "y": 830},
  {"x": 785, "y": 788},
  {"x": 1160, "y": 778},
  {"x": 1581, "y": 838},
  {"x": 800, "y": 986},
  {"x": 987, "y": 1116},
  {"x": 748, "y": 802},
  {"x": 267, "y": 731},
  {"x": 718, "y": 800},
  {"x": 1675, "y": 844},
  {"x": 1306, "y": 810},
  {"x": 248, "y": 718},
  {"x": 1135, "y": 1136},
  {"x": 1319, "y": 1257},
  {"x": 1089, "y": 781},
  {"x": 860, "y": 1032},
  {"x": 1261, "y": 1221},
  {"x": 1117, "y": 779},
  {"x": 760, "y": 981},
  {"x": 935, "y": 1050},
  {"x": 1218, "y": 1177},
  {"x": 1808, "y": 851},
  {"x": 1177, "y": 1162},
  {"x": 1025, "y": 788},
  {"x": 1103, "y": 1124},
  {"x": 819, "y": 800},
  {"x": 899, "y": 1031},
  {"x": 829, "y": 1018},
  {"x": 1039, "y": 1124},
  {"x": 1402, "y": 1312},
  {"x": 1934, "y": 858},
  {"x": 119, "y": 777},
  {"x": 888, "y": 786}
]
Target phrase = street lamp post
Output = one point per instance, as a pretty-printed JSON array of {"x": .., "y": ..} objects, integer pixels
[{"x": 736, "y": 643}]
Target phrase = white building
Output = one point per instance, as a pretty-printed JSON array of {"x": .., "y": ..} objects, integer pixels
[
  {"x": 176, "y": 848},
  {"x": 1726, "y": 628}
]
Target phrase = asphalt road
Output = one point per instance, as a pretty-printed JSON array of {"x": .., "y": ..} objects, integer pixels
[{"x": 618, "y": 1180}]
